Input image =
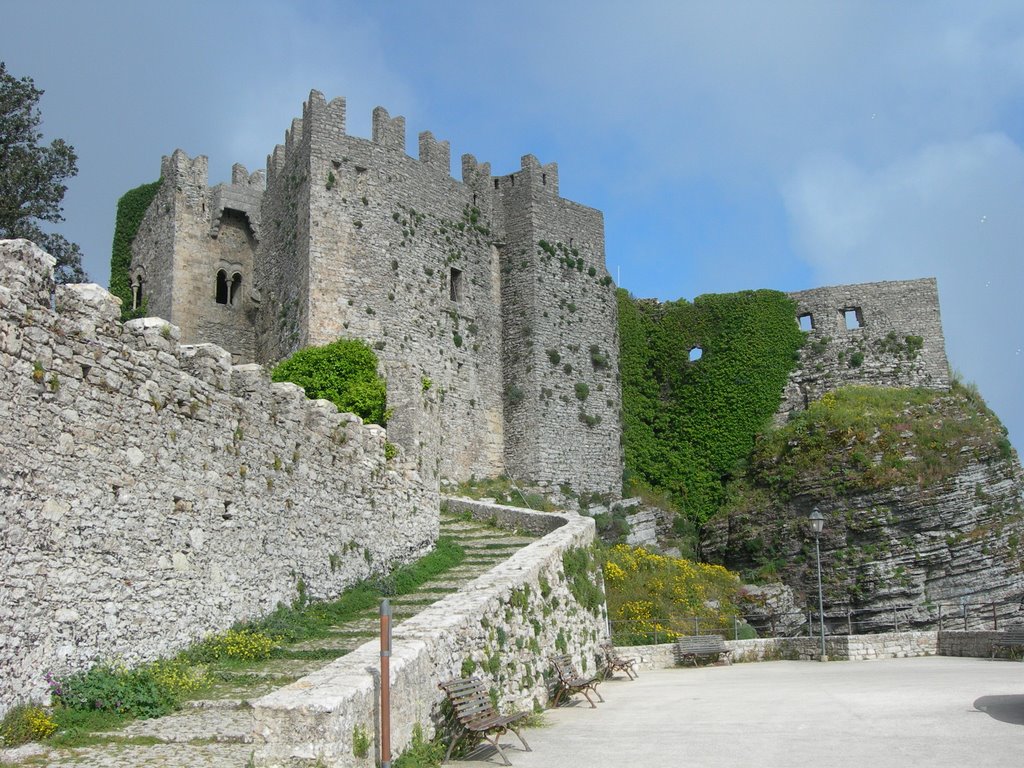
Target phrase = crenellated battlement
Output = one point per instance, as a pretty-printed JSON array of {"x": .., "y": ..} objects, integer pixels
[
  {"x": 182, "y": 171},
  {"x": 388, "y": 131}
]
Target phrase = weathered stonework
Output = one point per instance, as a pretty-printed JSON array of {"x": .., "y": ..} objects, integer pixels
[
  {"x": 505, "y": 624},
  {"x": 152, "y": 493},
  {"x": 886, "y": 334},
  {"x": 492, "y": 292}
]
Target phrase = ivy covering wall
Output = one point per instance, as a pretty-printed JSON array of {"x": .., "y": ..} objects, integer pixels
[
  {"x": 130, "y": 209},
  {"x": 689, "y": 424}
]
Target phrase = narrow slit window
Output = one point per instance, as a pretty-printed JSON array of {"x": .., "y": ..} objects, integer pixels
[
  {"x": 455, "y": 284},
  {"x": 806, "y": 322},
  {"x": 222, "y": 287},
  {"x": 495, "y": 183},
  {"x": 852, "y": 318}
]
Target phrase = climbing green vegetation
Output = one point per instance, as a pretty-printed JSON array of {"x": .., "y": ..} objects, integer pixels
[
  {"x": 130, "y": 209},
  {"x": 689, "y": 424},
  {"x": 344, "y": 372}
]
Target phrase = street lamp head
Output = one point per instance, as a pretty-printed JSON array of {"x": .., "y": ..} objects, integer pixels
[{"x": 817, "y": 522}]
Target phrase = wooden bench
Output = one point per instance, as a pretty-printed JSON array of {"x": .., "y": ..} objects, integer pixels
[
  {"x": 613, "y": 662},
  {"x": 570, "y": 681},
  {"x": 477, "y": 716},
  {"x": 1011, "y": 638},
  {"x": 689, "y": 647}
]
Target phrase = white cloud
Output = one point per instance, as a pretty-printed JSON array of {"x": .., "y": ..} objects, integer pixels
[{"x": 952, "y": 210}]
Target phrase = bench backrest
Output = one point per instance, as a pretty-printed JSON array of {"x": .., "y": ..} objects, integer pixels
[
  {"x": 469, "y": 698},
  {"x": 564, "y": 667},
  {"x": 701, "y": 644}
]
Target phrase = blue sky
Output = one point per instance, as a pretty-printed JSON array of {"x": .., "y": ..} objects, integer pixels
[{"x": 730, "y": 145}]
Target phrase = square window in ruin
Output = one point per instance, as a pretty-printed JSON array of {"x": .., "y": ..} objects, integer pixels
[{"x": 852, "y": 318}]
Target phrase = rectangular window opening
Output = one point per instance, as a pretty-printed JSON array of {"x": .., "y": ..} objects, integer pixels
[
  {"x": 852, "y": 318},
  {"x": 806, "y": 322},
  {"x": 455, "y": 284}
]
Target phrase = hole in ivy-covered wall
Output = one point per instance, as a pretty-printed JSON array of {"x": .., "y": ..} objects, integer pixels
[
  {"x": 806, "y": 322},
  {"x": 696, "y": 353}
]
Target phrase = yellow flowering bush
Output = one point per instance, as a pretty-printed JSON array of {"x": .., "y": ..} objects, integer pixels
[
  {"x": 655, "y": 596},
  {"x": 24, "y": 723},
  {"x": 239, "y": 644}
]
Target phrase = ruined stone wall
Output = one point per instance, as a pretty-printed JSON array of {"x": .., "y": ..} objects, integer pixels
[
  {"x": 508, "y": 621},
  {"x": 878, "y": 334},
  {"x": 152, "y": 493},
  {"x": 191, "y": 233}
]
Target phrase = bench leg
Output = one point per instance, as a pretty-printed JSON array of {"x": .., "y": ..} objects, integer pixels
[
  {"x": 517, "y": 733},
  {"x": 497, "y": 746},
  {"x": 587, "y": 696},
  {"x": 451, "y": 747},
  {"x": 598, "y": 694}
]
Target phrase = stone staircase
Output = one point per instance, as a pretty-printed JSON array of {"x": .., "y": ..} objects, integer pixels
[{"x": 216, "y": 730}]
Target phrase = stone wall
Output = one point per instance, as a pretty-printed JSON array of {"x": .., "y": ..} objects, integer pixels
[
  {"x": 886, "y": 645},
  {"x": 976, "y": 643},
  {"x": 152, "y": 493},
  {"x": 509, "y": 620},
  {"x": 878, "y": 334}
]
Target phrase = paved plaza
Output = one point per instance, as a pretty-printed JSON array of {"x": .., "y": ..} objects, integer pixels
[{"x": 933, "y": 711}]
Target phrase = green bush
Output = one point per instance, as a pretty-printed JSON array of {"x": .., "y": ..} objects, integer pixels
[
  {"x": 344, "y": 372},
  {"x": 139, "y": 692}
]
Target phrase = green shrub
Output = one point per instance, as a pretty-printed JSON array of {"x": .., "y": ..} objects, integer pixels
[
  {"x": 421, "y": 753},
  {"x": 344, "y": 372},
  {"x": 140, "y": 692}
]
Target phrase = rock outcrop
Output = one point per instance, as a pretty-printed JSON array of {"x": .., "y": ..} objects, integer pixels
[{"x": 923, "y": 510}]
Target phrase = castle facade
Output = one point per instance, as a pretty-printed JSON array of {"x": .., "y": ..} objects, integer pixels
[{"x": 487, "y": 299}]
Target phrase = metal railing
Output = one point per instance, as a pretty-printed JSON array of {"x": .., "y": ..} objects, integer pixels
[{"x": 935, "y": 616}]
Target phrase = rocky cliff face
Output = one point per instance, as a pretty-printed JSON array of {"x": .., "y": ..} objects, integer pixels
[{"x": 922, "y": 497}]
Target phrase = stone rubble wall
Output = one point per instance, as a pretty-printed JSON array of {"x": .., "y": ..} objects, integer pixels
[
  {"x": 508, "y": 621},
  {"x": 152, "y": 493},
  {"x": 899, "y": 342},
  {"x": 886, "y": 645},
  {"x": 976, "y": 643}
]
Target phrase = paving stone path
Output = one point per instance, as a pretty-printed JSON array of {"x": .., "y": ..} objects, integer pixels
[{"x": 217, "y": 730}]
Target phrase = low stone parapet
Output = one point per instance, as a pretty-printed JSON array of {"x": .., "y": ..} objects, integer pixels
[
  {"x": 887, "y": 645},
  {"x": 959, "y": 643}
]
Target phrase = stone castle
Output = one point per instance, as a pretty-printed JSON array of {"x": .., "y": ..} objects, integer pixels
[
  {"x": 146, "y": 465},
  {"x": 492, "y": 292}
]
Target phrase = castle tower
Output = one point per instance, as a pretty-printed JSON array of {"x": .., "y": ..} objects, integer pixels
[
  {"x": 560, "y": 336},
  {"x": 192, "y": 258}
]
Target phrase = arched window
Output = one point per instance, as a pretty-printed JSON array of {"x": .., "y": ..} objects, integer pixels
[{"x": 222, "y": 287}]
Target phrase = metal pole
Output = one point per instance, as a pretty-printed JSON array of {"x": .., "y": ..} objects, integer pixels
[
  {"x": 940, "y": 617},
  {"x": 965, "y": 617},
  {"x": 821, "y": 597},
  {"x": 385, "y": 683},
  {"x": 849, "y": 622},
  {"x": 995, "y": 619},
  {"x": 895, "y": 619}
]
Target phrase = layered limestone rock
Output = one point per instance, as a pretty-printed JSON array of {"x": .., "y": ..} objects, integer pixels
[{"x": 923, "y": 514}]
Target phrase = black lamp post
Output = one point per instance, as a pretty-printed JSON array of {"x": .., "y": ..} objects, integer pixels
[{"x": 817, "y": 526}]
